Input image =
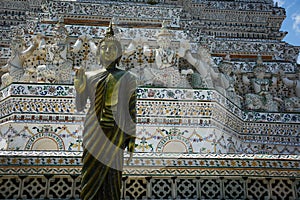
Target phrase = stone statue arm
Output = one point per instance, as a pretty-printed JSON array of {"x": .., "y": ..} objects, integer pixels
[
  {"x": 92, "y": 44},
  {"x": 202, "y": 67},
  {"x": 288, "y": 82},
  {"x": 198, "y": 64},
  {"x": 85, "y": 38},
  {"x": 4, "y": 68},
  {"x": 133, "y": 45},
  {"x": 190, "y": 58},
  {"x": 184, "y": 47},
  {"x": 80, "y": 84},
  {"x": 35, "y": 43},
  {"x": 215, "y": 75},
  {"x": 245, "y": 79}
]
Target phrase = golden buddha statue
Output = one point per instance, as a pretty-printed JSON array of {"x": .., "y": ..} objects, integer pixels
[{"x": 109, "y": 126}]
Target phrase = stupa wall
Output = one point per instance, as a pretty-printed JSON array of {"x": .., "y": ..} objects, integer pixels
[{"x": 192, "y": 142}]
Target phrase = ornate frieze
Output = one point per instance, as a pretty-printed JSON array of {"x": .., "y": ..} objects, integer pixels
[
  {"x": 47, "y": 136},
  {"x": 36, "y": 105},
  {"x": 42, "y": 90},
  {"x": 159, "y": 175},
  {"x": 58, "y": 8},
  {"x": 263, "y": 5}
]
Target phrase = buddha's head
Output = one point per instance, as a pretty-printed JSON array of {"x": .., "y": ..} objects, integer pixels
[{"x": 110, "y": 50}]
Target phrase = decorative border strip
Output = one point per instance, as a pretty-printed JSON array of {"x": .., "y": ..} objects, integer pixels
[
  {"x": 116, "y": 9},
  {"x": 36, "y": 105},
  {"x": 44, "y": 118},
  {"x": 167, "y": 164},
  {"x": 37, "y": 90},
  {"x": 155, "y": 155},
  {"x": 155, "y": 94},
  {"x": 173, "y": 94},
  {"x": 211, "y": 172}
]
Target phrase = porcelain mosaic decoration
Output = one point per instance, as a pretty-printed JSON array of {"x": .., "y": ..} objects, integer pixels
[{"x": 218, "y": 97}]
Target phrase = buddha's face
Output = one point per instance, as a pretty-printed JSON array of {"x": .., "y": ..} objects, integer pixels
[{"x": 109, "y": 52}]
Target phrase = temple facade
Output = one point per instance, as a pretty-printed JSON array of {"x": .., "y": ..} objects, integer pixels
[{"x": 218, "y": 97}]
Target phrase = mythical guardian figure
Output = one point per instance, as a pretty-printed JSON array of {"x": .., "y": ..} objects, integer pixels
[
  {"x": 228, "y": 79},
  {"x": 292, "y": 103},
  {"x": 166, "y": 71},
  {"x": 57, "y": 60},
  {"x": 15, "y": 71},
  {"x": 262, "y": 99}
]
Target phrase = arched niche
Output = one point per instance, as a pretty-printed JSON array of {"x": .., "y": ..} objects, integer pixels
[{"x": 45, "y": 141}]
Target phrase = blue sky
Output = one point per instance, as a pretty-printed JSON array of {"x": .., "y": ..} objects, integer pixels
[{"x": 292, "y": 22}]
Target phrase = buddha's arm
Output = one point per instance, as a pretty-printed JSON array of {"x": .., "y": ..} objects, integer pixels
[
  {"x": 81, "y": 100},
  {"x": 132, "y": 111},
  {"x": 80, "y": 84}
]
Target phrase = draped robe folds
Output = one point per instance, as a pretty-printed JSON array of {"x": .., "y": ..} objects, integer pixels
[{"x": 108, "y": 129}]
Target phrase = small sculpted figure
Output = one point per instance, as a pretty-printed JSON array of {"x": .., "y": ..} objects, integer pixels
[
  {"x": 57, "y": 64},
  {"x": 203, "y": 65},
  {"x": 15, "y": 69},
  {"x": 109, "y": 127},
  {"x": 165, "y": 72},
  {"x": 262, "y": 99},
  {"x": 58, "y": 53},
  {"x": 292, "y": 103},
  {"x": 228, "y": 79}
]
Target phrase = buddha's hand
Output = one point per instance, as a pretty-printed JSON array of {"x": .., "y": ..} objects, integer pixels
[
  {"x": 130, "y": 158},
  {"x": 80, "y": 80},
  {"x": 130, "y": 147}
]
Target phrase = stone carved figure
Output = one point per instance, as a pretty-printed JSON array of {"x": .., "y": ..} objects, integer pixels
[
  {"x": 262, "y": 99},
  {"x": 203, "y": 65},
  {"x": 44, "y": 74},
  {"x": 166, "y": 71},
  {"x": 6, "y": 80},
  {"x": 228, "y": 79},
  {"x": 88, "y": 59},
  {"x": 292, "y": 103},
  {"x": 15, "y": 69},
  {"x": 109, "y": 126},
  {"x": 57, "y": 56}
]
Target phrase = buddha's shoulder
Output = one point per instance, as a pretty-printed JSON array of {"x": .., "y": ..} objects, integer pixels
[
  {"x": 94, "y": 73},
  {"x": 131, "y": 74}
]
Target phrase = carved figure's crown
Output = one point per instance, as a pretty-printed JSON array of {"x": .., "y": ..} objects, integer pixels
[
  {"x": 164, "y": 30},
  {"x": 226, "y": 63},
  {"x": 259, "y": 65}
]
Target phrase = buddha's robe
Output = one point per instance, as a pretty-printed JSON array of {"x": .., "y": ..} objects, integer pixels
[{"x": 108, "y": 129}]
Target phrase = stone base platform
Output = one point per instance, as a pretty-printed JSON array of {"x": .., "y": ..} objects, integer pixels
[{"x": 56, "y": 175}]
